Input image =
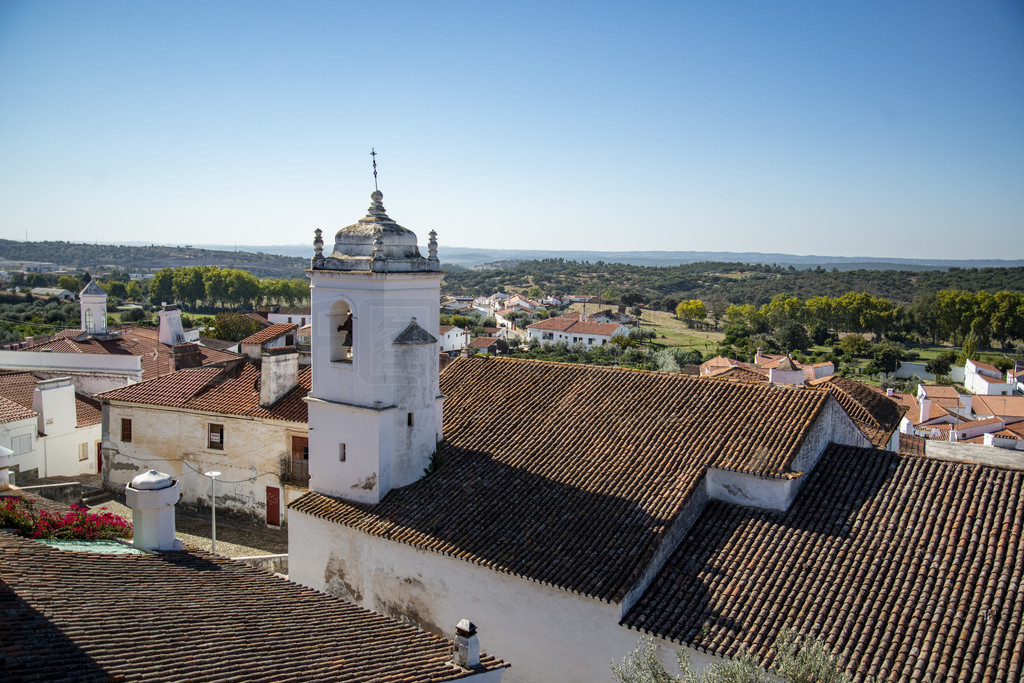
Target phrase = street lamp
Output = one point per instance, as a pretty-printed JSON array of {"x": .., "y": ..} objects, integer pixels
[{"x": 213, "y": 510}]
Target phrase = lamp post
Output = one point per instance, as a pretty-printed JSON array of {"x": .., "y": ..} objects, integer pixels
[{"x": 213, "y": 510}]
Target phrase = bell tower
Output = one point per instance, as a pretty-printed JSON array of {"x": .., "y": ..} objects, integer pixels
[
  {"x": 93, "y": 302},
  {"x": 375, "y": 404}
]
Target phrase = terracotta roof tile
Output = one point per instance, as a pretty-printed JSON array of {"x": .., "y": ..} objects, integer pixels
[
  {"x": 571, "y": 474},
  {"x": 18, "y": 388},
  {"x": 1004, "y": 406},
  {"x": 11, "y": 411},
  {"x": 268, "y": 333},
  {"x": 940, "y": 391},
  {"x": 986, "y": 366},
  {"x": 135, "y": 341},
  {"x": 190, "y": 615},
  {"x": 909, "y": 569},
  {"x": 877, "y": 415},
  {"x": 577, "y": 324},
  {"x": 233, "y": 390},
  {"x": 911, "y": 445}
]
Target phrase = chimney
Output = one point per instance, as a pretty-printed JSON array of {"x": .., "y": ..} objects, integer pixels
[
  {"x": 151, "y": 496},
  {"x": 171, "y": 331},
  {"x": 54, "y": 400},
  {"x": 186, "y": 356},
  {"x": 279, "y": 374},
  {"x": 926, "y": 409},
  {"x": 888, "y": 392},
  {"x": 467, "y": 645},
  {"x": 967, "y": 402}
]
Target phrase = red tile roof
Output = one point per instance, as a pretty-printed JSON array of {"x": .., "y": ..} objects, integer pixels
[
  {"x": 576, "y": 324},
  {"x": 233, "y": 390},
  {"x": 269, "y": 333},
  {"x": 1004, "y": 406},
  {"x": 912, "y": 445},
  {"x": 18, "y": 388},
  {"x": 190, "y": 615},
  {"x": 10, "y": 411},
  {"x": 483, "y": 342},
  {"x": 940, "y": 391},
  {"x": 571, "y": 474},
  {"x": 986, "y": 366},
  {"x": 907, "y": 568},
  {"x": 135, "y": 341}
]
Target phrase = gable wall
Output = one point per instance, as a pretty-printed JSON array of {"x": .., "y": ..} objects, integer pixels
[{"x": 546, "y": 633}]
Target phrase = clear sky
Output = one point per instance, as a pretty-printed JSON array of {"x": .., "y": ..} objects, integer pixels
[{"x": 834, "y": 128}]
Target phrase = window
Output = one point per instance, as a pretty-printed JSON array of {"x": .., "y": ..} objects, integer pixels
[
  {"x": 298, "y": 466},
  {"x": 341, "y": 452},
  {"x": 548, "y": 335},
  {"x": 89, "y": 325},
  {"x": 21, "y": 444},
  {"x": 83, "y": 451},
  {"x": 590, "y": 340},
  {"x": 126, "y": 430},
  {"x": 408, "y": 419},
  {"x": 216, "y": 437},
  {"x": 341, "y": 325}
]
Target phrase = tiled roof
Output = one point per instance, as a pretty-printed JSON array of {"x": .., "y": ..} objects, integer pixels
[
  {"x": 986, "y": 366},
  {"x": 571, "y": 474},
  {"x": 18, "y": 388},
  {"x": 445, "y": 329},
  {"x": 991, "y": 380},
  {"x": 135, "y": 341},
  {"x": 908, "y": 568},
  {"x": 10, "y": 411},
  {"x": 877, "y": 415},
  {"x": 233, "y": 390},
  {"x": 739, "y": 373},
  {"x": 268, "y": 333},
  {"x": 576, "y": 324},
  {"x": 940, "y": 391},
  {"x": 912, "y": 445},
  {"x": 191, "y": 615},
  {"x": 1005, "y": 406},
  {"x": 483, "y": 342},
  {"x": 964, "y": 426}
]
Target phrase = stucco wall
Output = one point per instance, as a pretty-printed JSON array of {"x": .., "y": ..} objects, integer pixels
[
  {"x": 58, "y": 455},
  {"x": 546, "y": 633},
  {"x": 175, "y": 442},
  {"x": 28, "y": 461}
]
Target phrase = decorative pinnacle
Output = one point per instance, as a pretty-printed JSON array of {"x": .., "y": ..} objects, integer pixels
[
  {"x": 373, "y": 153},
  {"x": 432, "y": 246},
  {"x": 318, "y": 241}
]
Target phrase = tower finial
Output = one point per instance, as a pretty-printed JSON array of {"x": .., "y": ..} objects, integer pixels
[{"x": 373, "y": 153}]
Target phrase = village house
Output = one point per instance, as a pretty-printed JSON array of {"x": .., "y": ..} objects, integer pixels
[
  {"x": 50, "y": 292},
  {"x": 287, "y": 314},
  {"x": 98, "y": 359},
  {"x": 575, "y": 328},
  {"x": 452, "y": 338},
  {"x": 52, "y": 429},
  {"x": 106, "y": 611},
  {"x": 619, "y": 502},
  {"x": 610, "y": 316},
  {"x": 985, "y": 379},
  {"x": 491, "y": 345},
  {"x": 245, "y": 419}
]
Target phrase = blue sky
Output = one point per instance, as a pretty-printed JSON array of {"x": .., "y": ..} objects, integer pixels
[{"x": 857, "y": 129}]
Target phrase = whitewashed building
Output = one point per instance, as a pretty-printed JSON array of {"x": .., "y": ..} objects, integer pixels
[
  {"x": 452, "y": 338},
  {"x": 576, "y": 328},
  {"x": 985, "y": 379}
]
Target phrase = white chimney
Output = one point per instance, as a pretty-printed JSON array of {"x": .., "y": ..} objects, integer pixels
[
  {"x": 888, "y": 392},
  {"x": 171, "y": 331},
  {"x": 467, "y": 645},
  {"x": 54, "y": 400},
  {"x": 926, "y": 409},
  {"x": 279, "y": 374},
  {"x": 152, "y": 496}
]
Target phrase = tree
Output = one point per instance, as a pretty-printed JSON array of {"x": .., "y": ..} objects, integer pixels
[
  {"x": 941, "y": 364},
  {"x": 796, "y": 661},
  {"x": 632, "y": 298},
  {"x": 717, "y": 306},
  {"x": 535, "y": 292},
  {"x": 243, "y": 287},
  {"x": 188, "y": 285},
  {"x": 161, "y": 289},
  {"x": 793, "y": 337},
  {"x": 692, "y": 311},
  {"x": 69, "y": 283},
  {"x": 232, "y": 326},
  {"x": 216, "y": 282},
  {"x": 887, "y": 356},
  {"x": 133, "y": 291}
]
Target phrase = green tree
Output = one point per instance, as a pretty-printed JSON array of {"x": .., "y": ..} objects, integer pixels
[
  {"x": 693, "y": 311},
  {"x": 188, "y": 285},
  {"x": 232, "y": 326},
  {"x": 243, "y": 287},
  {"x": 535, "y": 292},
  {"x": 215, "y": 280},
  {"x": 161, "y": 289},
  {"x": 69, "y": 283},
  {"x": 793, "y": 337},
  {"x": 133, "y": 290}
]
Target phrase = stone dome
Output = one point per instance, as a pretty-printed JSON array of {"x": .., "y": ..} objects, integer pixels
[{"x": 357, "y": 240}]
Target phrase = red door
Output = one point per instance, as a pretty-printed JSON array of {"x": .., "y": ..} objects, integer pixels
[
  {"x": 99, "y": 457},
  {"x": 273, "y": 506}
]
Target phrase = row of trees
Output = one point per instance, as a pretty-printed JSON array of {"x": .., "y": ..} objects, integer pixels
[
  {"x": 210, "y": 285},
  {"x": 948, "y": 315}
]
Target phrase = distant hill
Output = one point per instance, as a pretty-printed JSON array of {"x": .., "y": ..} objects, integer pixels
[
  {"x": 143, "y": 258},
  {"x": 469, "y": 257}
]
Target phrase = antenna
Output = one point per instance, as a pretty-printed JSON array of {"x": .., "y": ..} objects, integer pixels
[{"x": 373, "y": 153}]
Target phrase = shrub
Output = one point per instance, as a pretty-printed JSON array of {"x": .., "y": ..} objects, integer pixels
[{"x": 79, "y": 524}]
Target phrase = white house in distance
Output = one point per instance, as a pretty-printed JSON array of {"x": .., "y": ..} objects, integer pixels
[
  {"x": 52, "y": 430},
  {"x": 986, "y": 379},
  {"x": 246, "y": 419},
  {"x": 575, "y": 328},
  {"x": 452, "y": 338}
]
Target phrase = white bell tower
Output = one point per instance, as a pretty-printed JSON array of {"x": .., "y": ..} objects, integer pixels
[
  {"x": 375, "y": 405},
  {"x": 93, "y": 302}
]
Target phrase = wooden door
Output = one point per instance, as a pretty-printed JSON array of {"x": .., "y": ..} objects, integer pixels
[{"x": 273, "y": 506}]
